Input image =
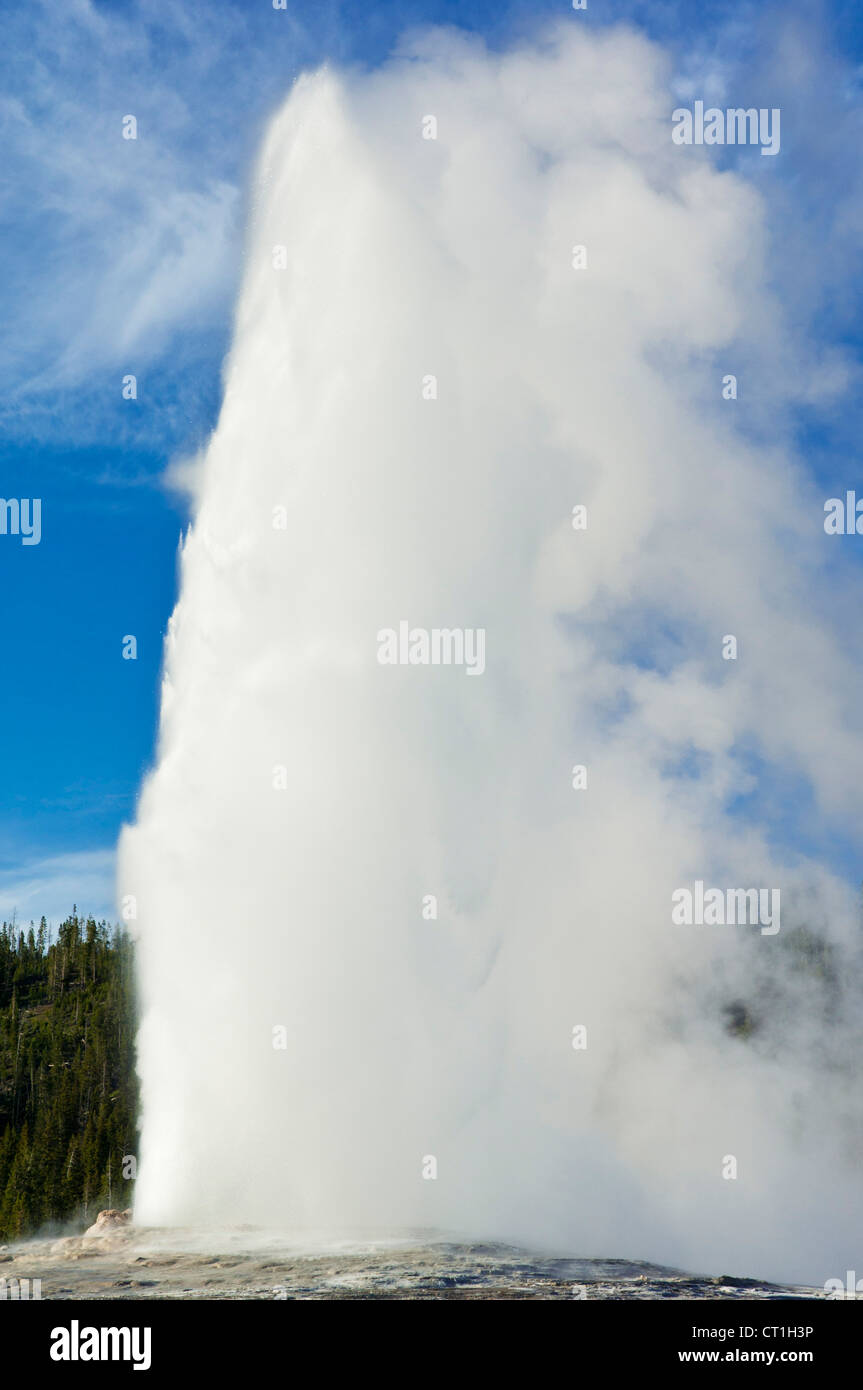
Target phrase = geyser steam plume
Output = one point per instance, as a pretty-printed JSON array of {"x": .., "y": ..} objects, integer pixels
[{"x": 420, "y": 390}]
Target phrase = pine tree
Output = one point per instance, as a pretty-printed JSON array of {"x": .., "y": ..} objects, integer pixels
[{"x": 68, "y": 1094}]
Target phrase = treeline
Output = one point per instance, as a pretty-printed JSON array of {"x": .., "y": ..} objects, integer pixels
[{"x": 68, "y": 1093}]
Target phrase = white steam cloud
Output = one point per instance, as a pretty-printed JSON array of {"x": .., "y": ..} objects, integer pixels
[{"x": 294, "y": 899}]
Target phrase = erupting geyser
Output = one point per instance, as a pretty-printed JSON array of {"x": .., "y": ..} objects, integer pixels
[{"x": 380, "y": 913}]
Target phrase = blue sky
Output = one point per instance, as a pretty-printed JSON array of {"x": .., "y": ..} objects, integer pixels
[{"x": 124, "y": 257}]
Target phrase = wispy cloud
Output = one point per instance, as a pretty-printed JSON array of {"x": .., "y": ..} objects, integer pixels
[
  {"x": 50, "y": 887},
  {"x": 123, "y": 253}
]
